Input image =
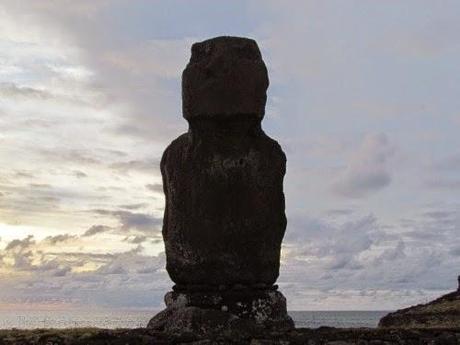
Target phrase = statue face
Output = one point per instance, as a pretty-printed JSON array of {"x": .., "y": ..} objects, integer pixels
[{"x": 225, "y": 76}]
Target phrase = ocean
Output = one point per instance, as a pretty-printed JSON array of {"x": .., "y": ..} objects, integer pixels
[{"x": 128, "y": 318}]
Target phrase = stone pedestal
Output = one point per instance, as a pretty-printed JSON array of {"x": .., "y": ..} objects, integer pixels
[
  {"x": 213, "y": 312},
  {"x": 224, "y": 218}
]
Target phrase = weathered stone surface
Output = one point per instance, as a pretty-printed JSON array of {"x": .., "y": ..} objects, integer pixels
[
  {"x": 223, "y": 181},
  {"x": 442, "y": 312},
  {"x": 224, "y": 219},
  {"x": 220, "y": 310},
  {"x": 192, "y": 320},
  {"x": 225, "y": 76}
]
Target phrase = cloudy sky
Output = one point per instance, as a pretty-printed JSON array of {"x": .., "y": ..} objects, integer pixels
[{"x": 364, "y": 99}]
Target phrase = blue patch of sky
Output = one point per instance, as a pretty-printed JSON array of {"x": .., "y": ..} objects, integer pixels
[{"x": 176, "y": 19}]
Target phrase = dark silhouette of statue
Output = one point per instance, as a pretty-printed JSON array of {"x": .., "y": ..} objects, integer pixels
[{"x": 223, "y": 180}]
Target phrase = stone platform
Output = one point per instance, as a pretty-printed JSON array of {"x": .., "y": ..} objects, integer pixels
[{"x": 215, "y": 311}]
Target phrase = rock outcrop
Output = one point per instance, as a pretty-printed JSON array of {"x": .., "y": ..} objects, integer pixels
[
  {"x": 442, "y": 312},
  {"x": 223, "y": 181}
]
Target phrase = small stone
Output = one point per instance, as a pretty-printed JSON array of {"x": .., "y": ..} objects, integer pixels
[{"x": 224, "y": 308}]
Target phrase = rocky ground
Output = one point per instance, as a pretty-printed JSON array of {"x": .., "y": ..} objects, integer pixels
[
  {"x": 324, "y": 335},
  {"x": 442, "y": 312}
]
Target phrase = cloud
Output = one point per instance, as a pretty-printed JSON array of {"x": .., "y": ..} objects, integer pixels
[
  {"x": 455, "y": 251},
  {"x": 135, "y": 206},
  {"x": 24, "y": 174},
  {"x": 26, "y": 93},
  {"x": 139, "y": 221},
  {"x": 136, "y": 75},
  {"x": 144, "y": 166},
  {"x": 367, "y": 170},
  {"x": 136, "y": 239},
  {"x": 339, "y": 212},
  {"x": 25, "y": 255},
  {"x": 333, "y": 247},
  {"x": 449, "y": 163},
  {"x": 53, "y": 268},
  {"x": 361, "y": 253},
  {"x": 442, "y": 173},
  {"x": 443, "y": 183},
  {"x": 96, "y": 229},
  {"x": 155, "y": 187},
  {"x": 20, "y": 244},
  {"x": 79, "y": 174},
  {"x": 82, "y": 157},
  {"x": 12, "y": 90},
  {"x": 112, "y": 268},
  {"x": 39, "y": 271},
  {"x": 132, "y": 220},
  {"x": 59, "y": 238},
  {"x": 438, "y": 214}
]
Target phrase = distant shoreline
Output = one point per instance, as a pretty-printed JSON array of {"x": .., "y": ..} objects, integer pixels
[{"x": 132, "y": 318}]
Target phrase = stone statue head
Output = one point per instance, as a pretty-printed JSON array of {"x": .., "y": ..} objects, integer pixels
[{"x": 225, "y": 76}]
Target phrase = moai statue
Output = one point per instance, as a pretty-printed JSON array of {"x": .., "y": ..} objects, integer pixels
[{"x": 223, "y": 180}]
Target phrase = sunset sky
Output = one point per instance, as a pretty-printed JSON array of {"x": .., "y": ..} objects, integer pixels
[{"x": 364, "y": 98}]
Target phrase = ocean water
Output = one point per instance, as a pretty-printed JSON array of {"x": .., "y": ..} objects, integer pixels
[
  {"x": 138, "y": 318},
  {"x": 344, "y": 319}
]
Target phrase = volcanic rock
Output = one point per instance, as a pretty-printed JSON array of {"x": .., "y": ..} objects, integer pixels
[
  {"x": 225, "y": 217},
  {"x": 223, "y": 179},
  {"x": 226, "y": 76},
  {"x": 442, "y": 312}
]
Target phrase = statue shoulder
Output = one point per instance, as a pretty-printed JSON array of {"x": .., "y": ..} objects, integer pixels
[
  {"x": 174, "y": 148},
  {"x": 274, "y": 148}
]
